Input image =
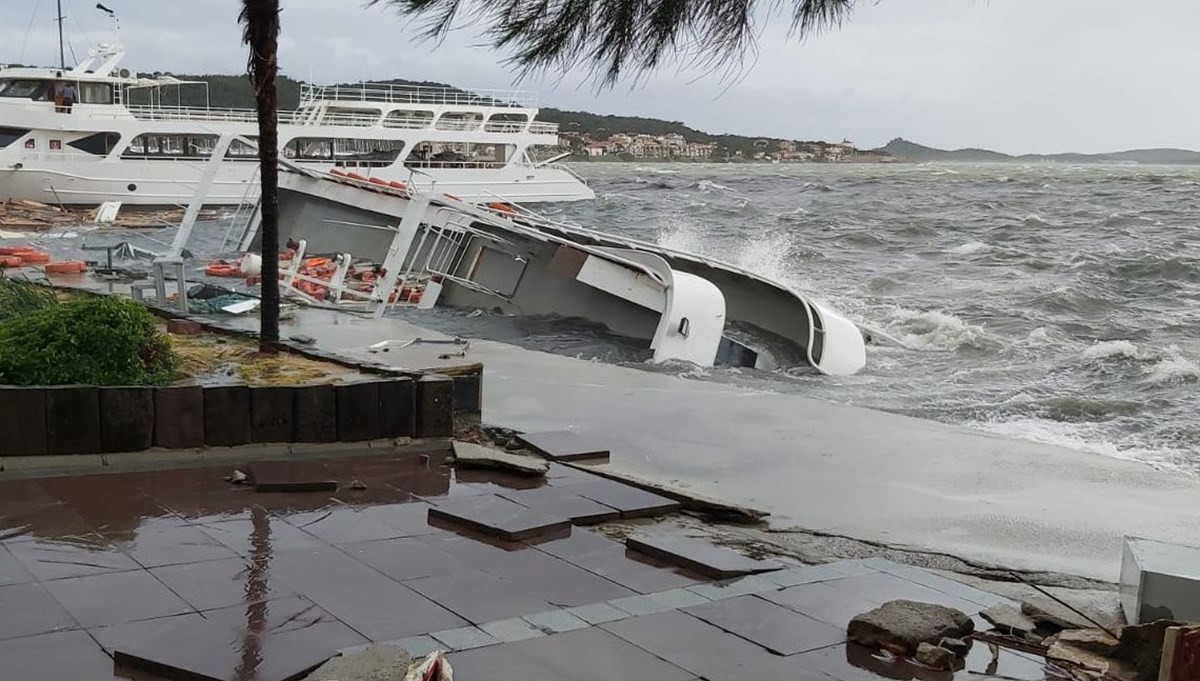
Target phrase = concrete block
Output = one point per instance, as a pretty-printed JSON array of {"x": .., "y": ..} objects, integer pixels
[
  {"x": 1160, "y": 581},
  {"x": 359, "y": 416},
  {"x": 179, "y": 416},
  {"x": 184, "y": 327},
  {"x": 226, "y": 415},
  {"x": 398, "y": 406},
  {"x": 435, "y": 406},
  {"x": 73, "y": 420},
  {"x": 272, "y": 409},
  {"x": 126, "y": 418},
  {"x": 22, "y": 421},
  {"x": 468, "y": 393},
  {"x": 315, "y": 416}
]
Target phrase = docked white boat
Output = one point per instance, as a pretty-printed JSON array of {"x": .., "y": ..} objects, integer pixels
[
  {"x": 374, "y": 245},
  {"x": 123, "y": 141}
]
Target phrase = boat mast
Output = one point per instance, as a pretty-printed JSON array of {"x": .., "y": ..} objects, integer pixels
[{"x": 62, "y": 56}]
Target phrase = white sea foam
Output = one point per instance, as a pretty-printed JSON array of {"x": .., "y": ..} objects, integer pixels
[
  {"x": 932, "y": 330},
  {"x": 969, "y": 248},
  {"x": 1113, "y": 348},
  {"x": 1080, "y": 437},
  {"x": 706, "y": 185},
  {"x": 1174, "y": 368}
]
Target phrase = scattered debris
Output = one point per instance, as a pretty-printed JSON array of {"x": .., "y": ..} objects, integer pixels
[
  {"x": 374, "y": 662},
  {"x": 358, "y": 485},
  {"x": 957, "y": 646},
  {"x": 937, "y": 657},
  {"x": 1007, "y": 619},
  {"x": 470, "y": 455},
  {"x": 37, "y": 216},
  {"x": 302, "y": 339},
  {"x": 432, "y": 668},
  {"x": 238, "y": 478},
  {"x": 901, "y": 626},
  {"x": 1181, "y": 654}
]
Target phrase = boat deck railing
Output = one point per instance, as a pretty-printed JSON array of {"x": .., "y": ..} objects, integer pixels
[
  {"x": 191, "y": 113},
  {"x": 418, "y": 94}
]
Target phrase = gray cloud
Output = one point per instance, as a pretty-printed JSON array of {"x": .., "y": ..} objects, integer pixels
[{"x": 1015, "y": 75}]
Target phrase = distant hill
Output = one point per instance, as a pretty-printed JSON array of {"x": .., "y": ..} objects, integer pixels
[{"x": 911, "y": 151}]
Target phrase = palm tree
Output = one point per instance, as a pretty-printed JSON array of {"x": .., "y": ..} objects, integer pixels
[
  {"x": 610, "y": 37},
  {"x": 260, "y": 19}
]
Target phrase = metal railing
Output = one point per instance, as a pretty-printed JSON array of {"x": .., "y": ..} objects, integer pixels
[
  {"x": 188, "y": 113},
  {"x": 419, "y": 94}
]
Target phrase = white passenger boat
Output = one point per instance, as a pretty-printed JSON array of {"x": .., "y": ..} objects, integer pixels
[
  {"x": 371, "y": 244},
  {"x": 124, "y": 141}
]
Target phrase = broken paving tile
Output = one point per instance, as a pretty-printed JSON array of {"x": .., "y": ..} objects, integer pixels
[
  {"x": 291, "y": 476},
  {"x": 374, "y": 662},
  {"x": 464, "y": 638},
  {"x": 699, "y": 555},
  {"x": 774, "y": 627},
  {"x": 631, "y": 501},
  {"x": 276, "y": 641},
  {"x": 679, "y": 598},
  {"x": 598, "y": 613},
  {"x": 640, "y": 605},
  {"x": 512, "y": 629},
  {"x": 558, "y": 501},
  {"x": 556, "y": 621},
  {"x": 731, "y": 588},
  {"x": 565, "y": 445},
  {"x": 470, "y": 455},
  {"x": 822, "y": 602},
  {"x": 805, "y": 574},
  {"x": 499, "y": 518}
]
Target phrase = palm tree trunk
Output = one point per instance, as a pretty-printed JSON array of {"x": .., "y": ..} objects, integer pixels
[{"x": 261, "y": 33}]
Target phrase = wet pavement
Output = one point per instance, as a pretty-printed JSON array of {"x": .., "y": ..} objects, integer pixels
[{"x": 178, "y": 570}]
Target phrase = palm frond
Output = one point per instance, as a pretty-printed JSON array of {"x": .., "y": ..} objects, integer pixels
[{"x": 613, "y": 37}]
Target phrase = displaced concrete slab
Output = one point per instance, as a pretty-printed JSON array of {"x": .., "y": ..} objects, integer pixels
[
  {"x": 374, "y": 662},
  {"x": 699, "y": 556},
  {"x": 499, "y": 518},
  {"x": 470, "y": 455},
  {"x": 291, "y": 476},
  {"x": 774, "y": 627},
  {"x": 630, "y": 501},
  {"x": 563, "y": 445}
]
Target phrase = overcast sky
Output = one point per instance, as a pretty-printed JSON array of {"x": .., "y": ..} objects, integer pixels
[{"x": 1013, "y": 75}]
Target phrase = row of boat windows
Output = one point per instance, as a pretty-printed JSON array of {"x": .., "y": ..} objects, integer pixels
[
  {"x": 345, "y": 152},
  {"x": 50, "y": 90}
]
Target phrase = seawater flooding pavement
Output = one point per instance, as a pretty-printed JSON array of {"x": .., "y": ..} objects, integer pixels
[
  {"x": 822, "y": 466},
  {"x": 178, "y": 568}
]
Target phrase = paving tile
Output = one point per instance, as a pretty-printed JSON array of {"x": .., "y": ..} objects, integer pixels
[
  {"x": 292, "y": 476},
  {"x": 501, "y": 518},
  {"x": 222, "y": 583},
  {"x": 65, "y": 656},
  {"x": 464, "y": 638},
  {"x": 598, "y": 613},
  {"x": 698, "y": 555},
  {"x": 584, "y": 655},
  {"x": 71, "y": 557},
  {"x": 881, "y": 588},
  {"x": 739, "y": 586},
  {"x": 774, "y": 627},
  {"x": 11, "y": 570},
  {"x": 417, "y": 646},
  {"x": 97, "y": 600},
  {"x": 563, "y": 445},
  {"x": 269, "y": 641},
  {"x": 52, "y": 519},
  {"x": 372, "y": 604},
  {"x": 705, "y": 650},
  {"x": 478, "y": 597},
  {"x": 822, "y": 602},
  {"x": 630, "y": 501},
  {"x": 169, "y": 541},
  {"x": 511, "y": 629},
  {"x": 805, "y": 574},
  {"x": 259, "y": 533},
  {"x": 555, "y": 501},
  {"x": 641, "y": 605},
  {"x": 404, "y": 559},
  {"x": 409, "y": 519},
  {"x": 30, "y": 609},
  {"x": 341, "y": 525},
  {"x": 556, "y": 621},
  {"x": 609, "y": 559},
  {"x": 679, "y": 598},
  {"x": 945, "y": 585}
]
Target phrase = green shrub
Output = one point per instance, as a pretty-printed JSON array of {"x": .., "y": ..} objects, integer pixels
[
  {"x": 103, "y": 340},
  {"x": 18, "y": 297}
]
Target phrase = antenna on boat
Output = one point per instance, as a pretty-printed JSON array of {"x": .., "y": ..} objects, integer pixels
[{"x": 62, "y": 56}]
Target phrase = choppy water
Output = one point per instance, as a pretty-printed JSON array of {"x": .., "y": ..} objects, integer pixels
[{"x": 1048, "y": 302}]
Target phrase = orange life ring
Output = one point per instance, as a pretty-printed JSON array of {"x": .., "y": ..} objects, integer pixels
[
  {"x": 14, "y": 250},
  {"x": 10, "y": 261},
  {"x": 33, "y": 256},
  {"x": 222, "y": 269},
  {"x": 67, "y": 267}
]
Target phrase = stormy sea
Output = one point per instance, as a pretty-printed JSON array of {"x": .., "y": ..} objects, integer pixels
[{"x": 1048, "y": 302}]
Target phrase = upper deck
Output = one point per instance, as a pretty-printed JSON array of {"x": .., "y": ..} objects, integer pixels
[{"x": 389, "y": 93}]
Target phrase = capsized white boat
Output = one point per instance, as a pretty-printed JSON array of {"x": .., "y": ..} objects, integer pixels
[{"x": 386, "y": 244}]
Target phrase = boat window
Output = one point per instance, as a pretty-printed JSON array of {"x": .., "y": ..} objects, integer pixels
[
  {"x": 408, "y": 119},
  {"x": 459, "y": 120},
  {"x": 362, "y": 118},
  {"x": 95, "y": 93},
  {"x": 506, "y": 122},
  {"x": 344, "y": 152},
  {"x": 100, "y": 144},
  {"x": 37, "y": 90},
  {"x": 10, "y": 135},
  {"x": 170, "y": 146},
  {"x": 460, "y": 155}
]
